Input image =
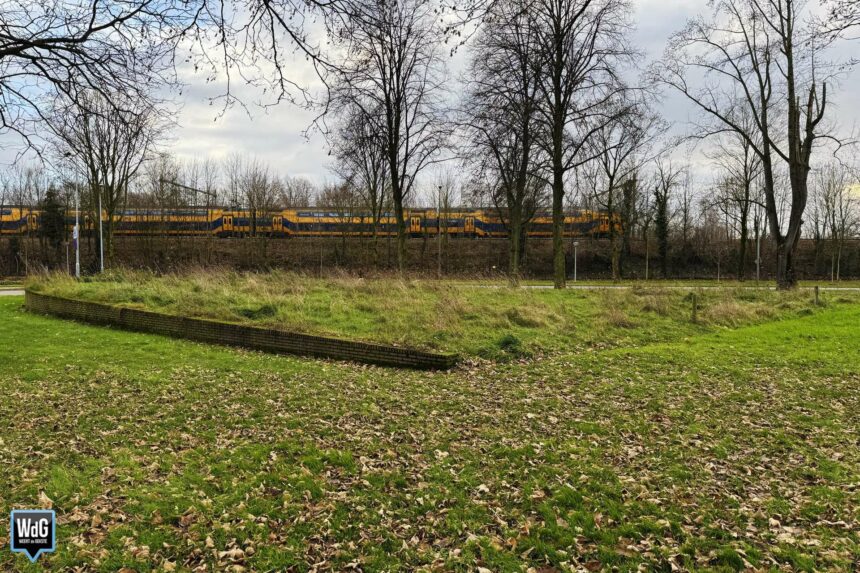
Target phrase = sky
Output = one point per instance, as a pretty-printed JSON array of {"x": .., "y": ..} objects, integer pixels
[{"x": 277, "y": 135}]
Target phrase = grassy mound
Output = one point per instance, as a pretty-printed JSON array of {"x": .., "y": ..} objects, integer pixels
[{"x": 468, "y": 318}]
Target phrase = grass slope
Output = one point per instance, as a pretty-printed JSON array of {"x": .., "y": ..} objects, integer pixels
[
  {"x": 725, "y": 450},
  {"x": 488, "y": 322}
]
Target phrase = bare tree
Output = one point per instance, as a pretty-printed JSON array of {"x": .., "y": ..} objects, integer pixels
[
  {"x": 500, "y": 116},
  {"x": 741, "y": 169},
  {"x": 344, "y": 201},
  {"x": 761, "y": 60},
  {"x": 646, "y": 218},
  {"x": 297, "y": 192},
  {"x": 580, "y": 45},
  {"x": 108, "y": 145},
  {"x": 362, "y": 160},
  {"x": 201, "y": 177},
  {"x": 685, "y": 210},
  {"x": 89, "y": 54},
  {"x": 233, "y": 167},
  {"x": 259, "y": 191},
  {"x": 26, "y": 186},
  {"x": 666, "y": 180},
  {"x": 444, "y": 195},
  {"x": 621, "y": 146},
  {"x": 392, "y": 67},
  {"x": 154, "y": 191},
  {"x": 844, "y": 16},
  {"x": 839, "y": 209}
]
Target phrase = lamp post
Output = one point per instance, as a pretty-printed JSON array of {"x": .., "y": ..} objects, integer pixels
[
  {"x": 575, "y": 244},
  {"x": 76, "y": 234},
  {"x": 101, "y": 231}
]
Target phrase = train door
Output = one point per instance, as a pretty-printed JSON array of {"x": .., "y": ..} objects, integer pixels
[
  {"x": 32, "y": 222},
  {"x": 415, "y": 225},
  {"x": 228, "y": 224},
  {"x": 469, "y": 226},
  {"x": 277, "y": 224}
]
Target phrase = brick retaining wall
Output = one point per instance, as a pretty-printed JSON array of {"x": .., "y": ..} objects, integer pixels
[{"x": 212, "y": 331}]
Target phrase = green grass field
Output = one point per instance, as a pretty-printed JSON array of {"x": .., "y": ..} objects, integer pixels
[
  {"x": 467, "y": 318},
  {"x": 651, "y": 444}
]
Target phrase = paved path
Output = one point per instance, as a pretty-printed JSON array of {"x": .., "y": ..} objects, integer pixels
[
  {"x": 672, "y": 287},
  {"x": 687, "y": 287},
  {"x": 11, "y": 292}
]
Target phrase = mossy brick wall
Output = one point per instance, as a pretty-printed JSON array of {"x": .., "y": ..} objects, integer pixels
[{"x": 235, "y": 334}]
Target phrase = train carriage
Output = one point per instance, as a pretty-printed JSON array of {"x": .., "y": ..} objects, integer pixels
[
  {"x": 153, "y": 222},
  {"x": 18, "y": 221},
  {"x": 219, "y": 222}
]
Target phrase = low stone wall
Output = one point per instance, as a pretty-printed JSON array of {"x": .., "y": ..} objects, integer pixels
[{"x": 212, "y": 331}]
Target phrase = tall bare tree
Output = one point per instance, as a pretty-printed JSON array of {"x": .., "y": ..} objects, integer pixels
[
  {"x": 667, "y": 178},
  {"x": 760, "y": 59},
  {"x": 108, "y": 143},
  {"x": 621, "y": 146},
  {"x": 500, "y": 115},
  {"x": 55, "y": 49},
  {"x": 839, "y": 207},
  {"x": 343, "y": 200},
  {"x": 444, "y": 195},
  {"x": 741, "y": 171},
  {"x": 362, "y": 160},
  {"x": 392, "y": 69},
  {"x": 260, "y": 193},
  {"x": 580, "y": 46}
]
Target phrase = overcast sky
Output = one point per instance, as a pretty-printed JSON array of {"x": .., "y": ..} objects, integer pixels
[{"x": 276, "y": 135}]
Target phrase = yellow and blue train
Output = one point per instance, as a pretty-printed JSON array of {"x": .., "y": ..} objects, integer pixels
[{"x": 309, "y": 223}]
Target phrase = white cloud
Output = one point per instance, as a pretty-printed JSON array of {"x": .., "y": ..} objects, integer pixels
[{"x": 276, "y": 134}]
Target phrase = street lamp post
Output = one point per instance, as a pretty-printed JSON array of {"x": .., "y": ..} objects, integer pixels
[
  {"x": 575, "y": 244},
  {"x": 76, "y": 235},
  {"x": 101, "y": 232},
  {"x": 77, "y": 230}
]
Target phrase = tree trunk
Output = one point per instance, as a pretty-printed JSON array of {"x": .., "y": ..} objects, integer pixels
[
  {"x": 647, "y": 256},
  {"x": 742, "y": 247},
  {"x": 615, "y": 255},
  {"x": 559, "y": 271},
  {"x": 515, "y": 225},
  {"x": 401, "y": 237},
  {"x": 839, "y": 257},
  {"x": 785, "y": 279}
]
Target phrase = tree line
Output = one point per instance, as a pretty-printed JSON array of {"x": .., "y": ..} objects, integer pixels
[{"x": 551, "y": 112}]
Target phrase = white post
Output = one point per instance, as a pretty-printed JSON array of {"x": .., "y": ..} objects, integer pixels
[{"x": 77, "y": 233}]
